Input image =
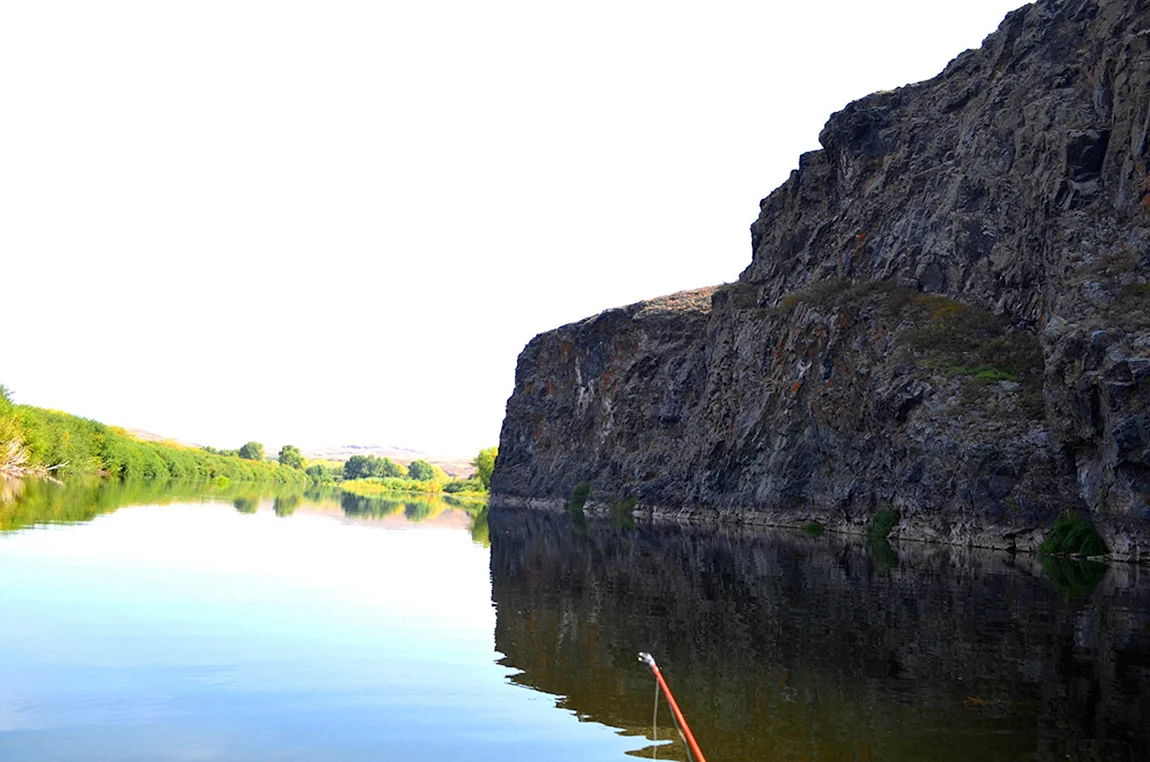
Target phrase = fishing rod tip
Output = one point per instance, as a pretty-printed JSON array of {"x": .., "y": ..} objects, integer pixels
[{"x": 647, "y": 658}]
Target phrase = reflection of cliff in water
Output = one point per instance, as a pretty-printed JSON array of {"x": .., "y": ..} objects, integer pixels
[{"x": 786, "y": 647}]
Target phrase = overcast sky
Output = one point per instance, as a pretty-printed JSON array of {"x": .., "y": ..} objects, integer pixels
[{"x": 339, "y": 222}]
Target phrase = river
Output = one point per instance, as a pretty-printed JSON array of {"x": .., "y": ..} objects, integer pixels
[{"x": 165, "y": 622}]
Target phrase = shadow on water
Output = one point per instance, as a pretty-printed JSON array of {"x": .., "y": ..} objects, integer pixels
[{"x": 781, "y": 646}]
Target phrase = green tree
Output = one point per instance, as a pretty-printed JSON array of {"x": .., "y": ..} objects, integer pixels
[
  {"x": 252, "y": 451},
  {"x": 389, "y": 468},
  {"x": 357, "y": 467},
  {"x": 485, "y": 464},
  {"x": 319, "y": 473},
  {"x": 291, "y": 456},
  {"x": 420, "y": 470}
]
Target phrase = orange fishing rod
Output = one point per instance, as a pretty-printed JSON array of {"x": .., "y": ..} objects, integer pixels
[{"x": 649, "y": 660}]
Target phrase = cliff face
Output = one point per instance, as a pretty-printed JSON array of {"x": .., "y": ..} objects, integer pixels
[{"x": 946, "y": 311}]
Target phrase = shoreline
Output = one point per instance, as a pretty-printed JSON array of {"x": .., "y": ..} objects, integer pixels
[{"x": 918, "y": 528}]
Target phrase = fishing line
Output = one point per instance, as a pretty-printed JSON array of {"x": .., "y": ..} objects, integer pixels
[
  {"x": 655, "y": 724},
  {"x": 689, "y": 743}
]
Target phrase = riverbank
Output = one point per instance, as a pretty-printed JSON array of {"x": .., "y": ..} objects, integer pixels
[
  {"x": 399, "y": 486},
  {"x": 915, "y": 528},
  {"x": 36, "y": 441}
]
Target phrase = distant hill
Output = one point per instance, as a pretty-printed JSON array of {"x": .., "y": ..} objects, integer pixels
[{"x": 148, "y": 436}]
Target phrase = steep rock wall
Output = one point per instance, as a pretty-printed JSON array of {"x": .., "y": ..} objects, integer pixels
[{"x": 946, "y": 311}]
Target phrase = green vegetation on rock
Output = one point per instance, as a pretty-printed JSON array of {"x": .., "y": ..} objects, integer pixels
[
  {"x": 1072, "y": 535},
  {"x": 881, "y": 524},
  {"x": 579, "y": 497}
]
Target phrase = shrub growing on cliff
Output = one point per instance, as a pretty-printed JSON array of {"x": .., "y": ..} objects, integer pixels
[
  {"x": 579, "y": 497},
  {"x": 879, "y": 526},
  {"x": 1072, "y": 535}
]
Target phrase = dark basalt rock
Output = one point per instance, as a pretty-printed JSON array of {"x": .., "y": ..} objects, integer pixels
[{"x": 947, "y": 311}]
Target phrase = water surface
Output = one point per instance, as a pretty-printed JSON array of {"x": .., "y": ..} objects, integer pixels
[
  {"x": 152, "y": 622},
  {"x": 786, "y": 647},
  {"x": 215, "y": 631}
]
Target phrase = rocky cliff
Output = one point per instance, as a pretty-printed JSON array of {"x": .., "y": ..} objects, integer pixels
[{"x": 946, "y": 312}]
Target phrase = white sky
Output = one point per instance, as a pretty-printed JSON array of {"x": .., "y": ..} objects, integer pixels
[{"x": 339, "y": 222}]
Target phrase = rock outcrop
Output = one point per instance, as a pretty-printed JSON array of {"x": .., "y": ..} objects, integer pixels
[{"x": 947, "y": 312}]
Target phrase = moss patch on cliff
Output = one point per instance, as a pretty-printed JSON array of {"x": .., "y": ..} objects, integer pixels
[
  {"x": 886, "y": 297},
  {"x": 959, "y": 340},
  {"x": 970, "y": 341}
]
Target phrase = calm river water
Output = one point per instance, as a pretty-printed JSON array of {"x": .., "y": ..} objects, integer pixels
[{"x": 159, "y": 623}]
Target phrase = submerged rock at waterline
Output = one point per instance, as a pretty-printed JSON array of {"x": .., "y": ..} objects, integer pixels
[{"x": 947, "y": 312}]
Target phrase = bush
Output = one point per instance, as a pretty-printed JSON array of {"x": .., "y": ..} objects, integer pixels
[
  {"x": 420, "y": 470},
  {"x": 473, "y": 485},
  {"x": 485, "y": 465},
  {"x": 1072, "y": 535},
  {"x": 252, "y": 451},
  {"x": 579, "y": 497},
  {"x": 374, "y": 486},
  {"x": 881, "y": 524},
  {"x": 318, "y": 473}
]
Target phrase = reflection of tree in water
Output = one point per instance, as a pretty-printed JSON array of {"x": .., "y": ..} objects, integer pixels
[
  {"x": 319, "y": 494},
  {"x": 246, "y": 504},
  {"x": 285, "y": 505},
  {"x": 480, "y": 528},
  {"x": 417, "y": 511},
  {"x": 1073, "y": 578},
  {"x": 780, "y": 646},
  {"x": 41, "y": 501},
  {"x": 361, "y": 505}
]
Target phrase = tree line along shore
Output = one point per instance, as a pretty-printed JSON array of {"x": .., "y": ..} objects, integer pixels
[{"x": 39, "y": 442}]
